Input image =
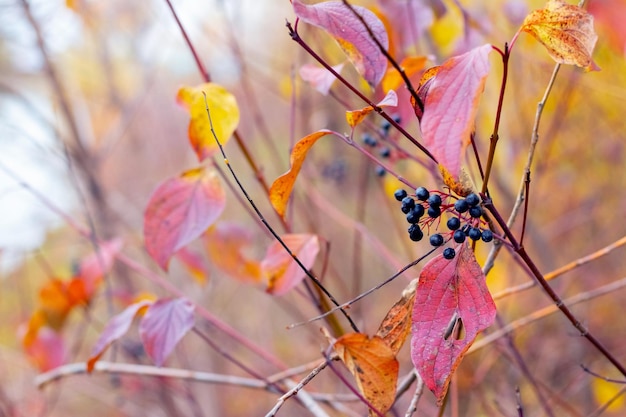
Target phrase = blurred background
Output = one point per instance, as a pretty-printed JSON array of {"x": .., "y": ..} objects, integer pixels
[{"x": 89, "y": 126}]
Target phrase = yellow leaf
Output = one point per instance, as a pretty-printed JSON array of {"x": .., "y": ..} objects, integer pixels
[
  {"x": 605, "y": 391},
  {"x": 374, "y": 366},
  {"x": 354, "y": 117},
  {"x": 566, "y": 31},
  {"x": 463, "y": 186},
  {"x": 411, "y": 65},
  {"x": 224, "y": 114},
  {"x": 280, "y": 191}
]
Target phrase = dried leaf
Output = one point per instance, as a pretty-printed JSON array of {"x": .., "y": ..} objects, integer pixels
[
  {"x": 180, "y": 210},
  {"x": 374, "y": 366},
  {"x": 224, "y": 115},
  {"x": 566, "y": 31},
  {"x": 448, "y": 289},
  {"x": 280, "y": 270},
  {"x": 341, "y": 23},
  {"x": 396, "y": 325},
  {"x": 280, "y": 191},
  {"x": 319, "y": 77},
  {"x": 451, "y": 104},
  {"x": 164, "y": 325},
  {"x": 462, "y": 186},
  {"x": 354, "y": 117}
]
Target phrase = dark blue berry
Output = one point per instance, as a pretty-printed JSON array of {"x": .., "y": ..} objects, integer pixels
[
  {"x": 369, "y": 140},
  {"x": 408, "y": 202},
  {"x": 473, "y": 200},
  {"x": 476, "y": 212},
  {"x": 459, "y": 236},
  {"x": 385, "y": 152},
  {"x": 436, "y": 240},
  {"x": 475, "y": 233},
  {"x": 399, "y": 194},
  {"x": 385, "y": 126},
  {"x": 487, "y": 236},
  {"x": 453, "y": 223},
  {"x": 380, "y": 171},
  {"x": 414, "y": 215},
  {"x": 419, "y": 209},
  {"x": 397, "y": 118},
  {"x": 434, "y": 200},
  {"x": 422, "y": 193},
  {"x": 466, "y": 229},
  {"x": 415, "y": 233},
  {"x": 434, "y": 211},
  {"x": 405, "y": 209},
  {"x": 461, "y": 206},
  {"x": 449, "y": 253}
]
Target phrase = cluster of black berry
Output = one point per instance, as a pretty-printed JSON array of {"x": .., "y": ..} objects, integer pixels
[
  {"x": 384, "y": 151},
  {"x": 423, "y": 208}
]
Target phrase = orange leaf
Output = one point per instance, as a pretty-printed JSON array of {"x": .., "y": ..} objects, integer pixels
[
  {"x": 180, "y": 210},
  {"x": 55, "y": 302},
  {"x": 411, "y": 66},
  {"x": 355, "y": 117},
  {"x": 566, "y": 31},
  {"x": 225, "y": 244},
  {"x": 463, "y": 186},
  {"x": 374, "y": 366},
  {"x": 280, "y": 270},
  {"x": 280, "y": 191},
  {"x": 224, "y": 115},
  {"x": 194, "y": 264},
  {"x": 396, "y": 325}
]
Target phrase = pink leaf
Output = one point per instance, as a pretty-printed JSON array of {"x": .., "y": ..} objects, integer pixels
[
  {"x": 319, "y": 77},
  {"x": 116, "y": 327},
  {"x": 180, "y": 210},
  {"x": 451, "y": 105},
  {"x": 448, "y": 289},
  {"x": 281, "y": 270},
  {"x": 47, "y": 350},
  {"x": 164, "y": 325},
  {"x": 341, "y": 23},
  {"x": 93, "y": 267}
]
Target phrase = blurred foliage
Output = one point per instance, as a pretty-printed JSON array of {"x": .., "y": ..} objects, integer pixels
[{"x": 120, "y": 65}]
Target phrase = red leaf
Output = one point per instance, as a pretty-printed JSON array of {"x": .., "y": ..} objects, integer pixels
[
  {"x": 116, "y": 327},
  {"x": 319, "y": 77},
  {"x": 448, "y": 289},
  {"x": 93, "y": 267},
  {"x": 180, "y": 210},
  {"x": 165, "y": 323},
  {"x": 341, "y": 23},
  {"x": 281, "y": 270},
  {"x": 451, "y": 105}
]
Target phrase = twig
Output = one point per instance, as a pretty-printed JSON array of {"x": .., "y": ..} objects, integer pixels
[{"x": 419, "y": 390}]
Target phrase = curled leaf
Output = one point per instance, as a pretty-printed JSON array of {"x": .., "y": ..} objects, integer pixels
[
  {"x": 374, "y": 366},
  {"x": 280, "y": 270},
  {"x": 224, "y": 115},
  {"x": 450, "y": 293},
  {"x": 353, "y": 37},
  {"x": 566, "y": 31},
  {"x": 280, "y": 191},
  {"x": 319, "y": 77},
  {"x": 180, "y": 210},
  {"x": 355, "y": 117},
  {"x": 396, "y": 325}
]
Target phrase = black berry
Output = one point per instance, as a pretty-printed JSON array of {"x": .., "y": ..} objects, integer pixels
[
  {"x": 369, "y": 140},
  {"x": 385, "y": 152},
  {"x": 385, "y": 126},
  {"x": 434, "y": 211},
  {"x": 396, "y": 118},
  {"x": 476, "y": 212},
  {"x": 408, "y": 202},
  {"x": 434, "y": 200},
  {"x": 459, "y": 236},
  {"x": 418, "y": 209},
  {"x": 436, "y": 240},
  {"x": 405, "y": 209},
  {"x": 415, "y": 233},
  {"x": 475, "y": 233},
  {"x": 487, "y": 236},
  {"x": 473, "y": 200},
  {"x": 380, "y": 171},
  {"x": 422, "y": 193},
  {"x": 466, "y": 229},
  {"x": 453, "y": 223},
  {"x": 399, "y": 194},
  {"x": 449, "y": 253},
  {"x": 414, "y": 215},
  {"x": 461, "y": 206}
]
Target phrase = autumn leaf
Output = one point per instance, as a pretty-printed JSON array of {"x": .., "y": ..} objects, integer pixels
[
  {"x": 225, "y": 244},
  {"x": 411, "y": 66},
  {"x": 117, "y": 327},
  {"x": 341, "y": 23},
  {"x": 224, "y": 115},
  {"x": 462, "y": 185},
  {"x": 180, "y": 210},
  {"x": 354, "y": 117},
  {"x": 320, "y": 78},
  {"x": 422, "y": 90},
  {"x": 374, "y": 366},
  {"x": 194, "y": 264},
  {"x": 280, "y": 271},
  {"x": 396, "y": 325},
  {"x": 281, "y": 188},
  {"x": 164, "y": 325},
  {"x": 448, "y": 289},
  {"x": 566, "y": 31},
  {"x": 46, "y": 350},
  {"x": 451, "y": 105}
]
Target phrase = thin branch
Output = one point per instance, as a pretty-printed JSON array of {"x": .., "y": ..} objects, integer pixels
[{"x": 419, "y": 390}]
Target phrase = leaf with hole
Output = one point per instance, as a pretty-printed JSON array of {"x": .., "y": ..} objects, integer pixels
[{"x": 180, "y": 210}]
